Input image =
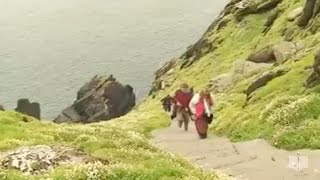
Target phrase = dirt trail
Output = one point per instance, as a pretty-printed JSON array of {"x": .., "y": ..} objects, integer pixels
[{"x": 252, "y": 160}]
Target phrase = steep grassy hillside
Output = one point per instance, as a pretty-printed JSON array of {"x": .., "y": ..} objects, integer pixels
[
  {"x": 122, "y": 144},
  {"x": 257, "y": 96}
]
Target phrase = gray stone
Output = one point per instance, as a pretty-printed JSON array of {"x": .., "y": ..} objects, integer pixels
[
  {"x": 246, "y": 68},
  {"x": 264, "y": 55},
  {"x": 1, "y": 108},
  {"x": 284, "y": 51},
  {"x": 295, "y": 14},
  {"x": 267, "y": 5},
  {"x": 221, "y": 83},
  {"x": 278, "y": 53},
  {"x": 264, "y": 79},
  {"x": 34, "y": 160}
]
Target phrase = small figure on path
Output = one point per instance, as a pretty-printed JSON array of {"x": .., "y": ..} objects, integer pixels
[
  {"x": 200, "y": 107},
  {"x": 167, "y": 103},
  {"x": 181, "y": 101}
]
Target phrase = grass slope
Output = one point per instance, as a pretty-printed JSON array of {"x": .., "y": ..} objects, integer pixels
[{"x": 122, "y": 142}]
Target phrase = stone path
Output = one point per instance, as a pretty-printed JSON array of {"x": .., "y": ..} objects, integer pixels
[{"x": 252, "y": 160}]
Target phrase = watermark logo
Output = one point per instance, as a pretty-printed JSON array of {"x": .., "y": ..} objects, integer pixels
[{"x": 298, "y": 162}]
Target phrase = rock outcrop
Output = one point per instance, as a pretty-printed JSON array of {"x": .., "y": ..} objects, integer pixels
[
  {"x": 277, "y": 53},
  {"x": 103, "y": 98},
  {"x": 247, "y": 7},
  {"x": 308, "y": 12},
  {"x": 264, "y": 79},
  {"x": 41, "y": 158},
  {"x": 267, "y": 5},
  {"x": 221, "y": 83},
  {"x": 246, "y": 68},
  {"x": 284, "y": 51},
  {"x": 196, "y": 51},
  {"x": 1, "y": 108},
  {"x": 295, "y": 14},
  {"x": 31, "y": 109},
  {"x": 264, "y": 55},
  {"x": 314, "y": 78},
  {"x": 165, "y": 68},
  {"x": 271, "y": 19}
]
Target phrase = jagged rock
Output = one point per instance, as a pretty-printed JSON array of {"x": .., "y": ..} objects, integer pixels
[
  {"x": 264, "y": 79},
  {"x": 279, "y": 53},
  {"x": 156, "y": 86},
  {"x": 241, "y": 69},
  {"x": 1, "y": 108},
  {"x": 103, "y": 98},
  {"x": 91, "y": 85},
  {"x": 267, "y": 5},
  {"x": 271, "y": 19},
  {"x": 31, "y": 109},
  {"x": 283, "y": 51},
  {"x": 196, "y": 51},
  {"x": 314, "y": 78},
  {"x": 308, "y": 12},
  {"x": 41, "y": 158},
  {"x": 220, "y": 83},
  {"x": 244, "y": 8},
  {"x": 223, "y": 23},
  {"x": 295, "y": 14},
  {"x": 165, "y": 68},
  {"x": 265, "y": 55}
]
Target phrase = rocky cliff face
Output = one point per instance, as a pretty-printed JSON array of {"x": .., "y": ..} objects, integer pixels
[
  {"x": 103, "y": 98},
  {"x": 33, "y": 109},
  {"x": 260, "y": 58}
]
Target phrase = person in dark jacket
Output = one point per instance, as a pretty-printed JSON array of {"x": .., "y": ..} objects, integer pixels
[
  {"x": 167, "y": 103},
  {"x": 181, "y": 101}
]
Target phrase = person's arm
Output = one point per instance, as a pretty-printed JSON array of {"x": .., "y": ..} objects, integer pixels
[
  {"x": 193, "y": 103},
  {"x": 210, "y": 101},
  {"x": 176, "y": 101}
]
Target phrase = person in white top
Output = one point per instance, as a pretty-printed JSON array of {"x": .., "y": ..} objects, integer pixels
[{"x": 200, "y": 106}]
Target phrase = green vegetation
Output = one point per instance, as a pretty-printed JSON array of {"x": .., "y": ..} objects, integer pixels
[
  {"x": 284, "y": 112},
  {"x": 122, "y": 143}
]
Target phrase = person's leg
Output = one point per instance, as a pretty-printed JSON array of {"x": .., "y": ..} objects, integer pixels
[
  {"x": 202, "y": 127},
  {"x": 198, "y": 127},
  {"x": 179, "y": 118},
  {"x": 186, "y": 121}
]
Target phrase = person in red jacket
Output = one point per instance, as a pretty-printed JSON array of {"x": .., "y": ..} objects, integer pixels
[{"x": 181, "y": 101}]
